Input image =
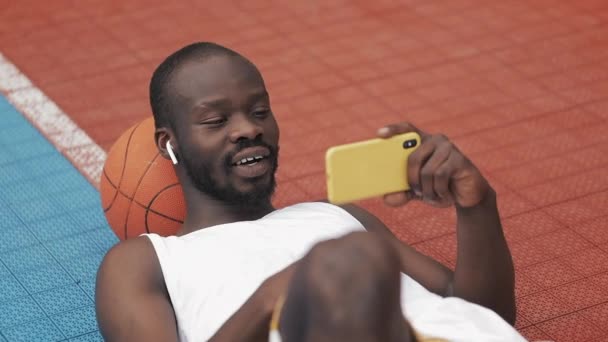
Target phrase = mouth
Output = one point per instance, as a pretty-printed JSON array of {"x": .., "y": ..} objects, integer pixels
[
  {"x": 251, "y": 156},
  {"x": 252, "y": 162},
  {"x": 249, "y": 160}
]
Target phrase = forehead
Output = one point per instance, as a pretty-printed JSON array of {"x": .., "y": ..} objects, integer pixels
[{"x": 215, "y": 77}]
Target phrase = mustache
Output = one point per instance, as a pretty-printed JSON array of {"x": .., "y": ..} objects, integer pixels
[{"x": 243, "y": 144}]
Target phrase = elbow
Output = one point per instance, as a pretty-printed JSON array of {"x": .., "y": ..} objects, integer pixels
[
  {"x": 507, "y": 303},
  {"x": 511, "y": 318},
  {"x": 509, "y": 311},
  {"x": 503, "y": 305},
  {"x": 501, "y": 302}
]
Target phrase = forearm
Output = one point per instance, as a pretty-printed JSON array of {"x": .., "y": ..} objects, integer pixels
[
  {"x": 484, "y": 269},
  {"x": 250, "y": 323}
]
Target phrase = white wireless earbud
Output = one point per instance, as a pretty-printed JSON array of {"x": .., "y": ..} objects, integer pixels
[{"x": 171, "y": 154}]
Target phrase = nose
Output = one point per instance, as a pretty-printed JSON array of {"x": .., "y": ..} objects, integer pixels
[{"x": 244, "y": 127}]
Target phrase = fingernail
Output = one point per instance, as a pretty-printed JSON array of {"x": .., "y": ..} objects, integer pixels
[{"x": 383, "y": 131}]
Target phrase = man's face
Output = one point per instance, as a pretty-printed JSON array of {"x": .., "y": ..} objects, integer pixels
[{"x": 227, "y": 134}]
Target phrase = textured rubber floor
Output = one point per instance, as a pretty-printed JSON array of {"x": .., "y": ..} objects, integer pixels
[{"x": 53, "y": 235}]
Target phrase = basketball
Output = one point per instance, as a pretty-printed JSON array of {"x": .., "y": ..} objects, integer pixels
[{"x": 139, "y": 190}]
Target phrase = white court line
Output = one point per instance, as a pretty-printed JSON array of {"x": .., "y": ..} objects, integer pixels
[{"x": 51, "y": 121}]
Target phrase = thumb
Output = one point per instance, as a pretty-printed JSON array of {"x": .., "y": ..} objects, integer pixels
[{"x": 397, "y": 199}]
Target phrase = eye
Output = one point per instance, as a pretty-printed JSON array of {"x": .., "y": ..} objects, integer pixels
[
  {"x": 261, "y": 113},
  {"x": 214, "y": 122}
]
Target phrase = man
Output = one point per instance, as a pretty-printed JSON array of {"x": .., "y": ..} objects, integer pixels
[{"x": 237, "y": 260}]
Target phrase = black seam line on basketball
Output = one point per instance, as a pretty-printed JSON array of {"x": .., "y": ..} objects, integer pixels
[
  {"x": 124, "y": 162},
  {"x": 141, "y": 178},
  {"x": 121, "y": 177},
  {"x": 124, "y": 194},
  {"x": 159, "y": 213},
  {"x": 108, "y": 178},
  {"x": 148, "y": 209},
  {"x": 152, "y": 210},
  {"x": 115, "y": 188}
]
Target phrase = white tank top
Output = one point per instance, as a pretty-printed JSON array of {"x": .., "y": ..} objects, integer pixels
[{"x": 210, "y": 273}]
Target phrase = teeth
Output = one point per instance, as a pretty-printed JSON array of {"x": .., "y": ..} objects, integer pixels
[{"x": 250, "y": 159}]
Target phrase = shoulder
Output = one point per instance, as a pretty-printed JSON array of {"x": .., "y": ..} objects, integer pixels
[
  {"x": 131, "y": 299},
  {"x": 368, "y": 220},
  {"x": 131, "y": 262}
]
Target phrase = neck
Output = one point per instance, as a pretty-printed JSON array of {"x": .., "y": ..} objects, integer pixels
[{"x": 204, "y": 211}]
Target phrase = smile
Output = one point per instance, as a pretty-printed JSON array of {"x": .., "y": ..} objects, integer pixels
[{"x": 249, "y": 160}]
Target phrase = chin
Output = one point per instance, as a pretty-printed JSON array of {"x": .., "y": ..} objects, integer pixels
[{"x": 259, "y": 193}]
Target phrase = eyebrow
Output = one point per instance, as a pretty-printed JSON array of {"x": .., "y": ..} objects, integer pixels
[
  {"x": 214, "y": 103},
  {"x": 258, "y": 94}
]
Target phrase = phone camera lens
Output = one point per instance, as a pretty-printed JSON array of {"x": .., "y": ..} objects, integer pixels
[{"x": 410, "y": 143}]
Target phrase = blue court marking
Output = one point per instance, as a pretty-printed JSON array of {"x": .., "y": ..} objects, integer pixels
[{"x": 53, "y": 235}]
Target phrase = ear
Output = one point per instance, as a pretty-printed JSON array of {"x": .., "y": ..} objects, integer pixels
[{"x": 163, "y": 135}]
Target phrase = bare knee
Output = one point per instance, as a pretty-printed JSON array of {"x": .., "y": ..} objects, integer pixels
[
  {"x": 349, "y": 285},
  {"x": 355, "y": 254},
  {"x": 360, "y": 264}
]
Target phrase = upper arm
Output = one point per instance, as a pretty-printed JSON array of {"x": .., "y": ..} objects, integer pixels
[
  {"x": 131, "y": 299},
  {"x": 428, "y": 272}
]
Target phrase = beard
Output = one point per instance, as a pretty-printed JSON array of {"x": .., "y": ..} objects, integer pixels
[{"x": 200, "y": 173}]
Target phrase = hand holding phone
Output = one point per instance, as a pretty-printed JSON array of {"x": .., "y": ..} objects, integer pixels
[
  {"x": 434, "y": 170},
  {"x": 369, "y": 168},
  {"x": 438, "y": 172}
]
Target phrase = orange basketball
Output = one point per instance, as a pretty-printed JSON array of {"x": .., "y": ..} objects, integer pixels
[{"x": 139, "y": 189}]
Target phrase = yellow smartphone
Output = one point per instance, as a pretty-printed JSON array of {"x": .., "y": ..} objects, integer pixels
[{"x": 368, "y": 168}]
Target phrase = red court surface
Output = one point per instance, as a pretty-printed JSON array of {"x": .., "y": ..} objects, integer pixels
[{"x": 520, "y": 86}]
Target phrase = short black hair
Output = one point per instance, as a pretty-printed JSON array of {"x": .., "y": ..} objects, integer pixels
[{"x": 161, "y": 100}]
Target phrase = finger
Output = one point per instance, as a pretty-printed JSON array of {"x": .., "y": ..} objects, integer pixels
[
  {"x": 399, "y": 128},
  {"x": 427, "y": 173},
  {"x": 415, "y": 162},
  {"x": 443, "y": 175}
]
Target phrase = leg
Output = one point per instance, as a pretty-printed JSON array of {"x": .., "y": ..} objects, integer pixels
[{"x": 346, "y": 289}]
